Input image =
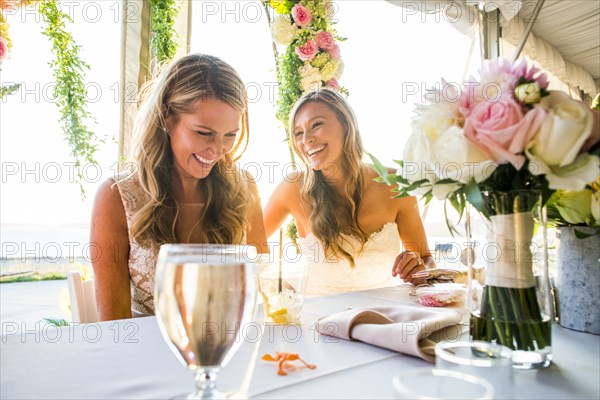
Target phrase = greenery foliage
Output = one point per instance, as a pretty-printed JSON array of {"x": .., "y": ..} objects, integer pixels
[
  {"x": 9, "y": 89},
  {"x": 163, "y": 41},
  {"x": 289, "y": 83},
  {"x": 596, "y": 102},
  {"x": 33, "y": 277},
  {"x": 56, "y": 322},
  {"x": 70, "y": 90}
]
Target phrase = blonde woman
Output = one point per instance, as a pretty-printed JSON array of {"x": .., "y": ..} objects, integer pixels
[
  {"x": 351, "y": 229},
  {"x": 184, "y": 188}
]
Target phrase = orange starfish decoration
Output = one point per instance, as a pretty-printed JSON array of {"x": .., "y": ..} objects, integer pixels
[{"x": 283, "y": 359}]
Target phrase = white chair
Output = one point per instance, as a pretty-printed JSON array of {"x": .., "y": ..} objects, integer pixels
[{"x": 83, "y": 298}]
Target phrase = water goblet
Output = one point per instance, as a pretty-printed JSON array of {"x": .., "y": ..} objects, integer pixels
[
  {"x": 490, "y": 361},
  {"x": 204, "y": 296}
]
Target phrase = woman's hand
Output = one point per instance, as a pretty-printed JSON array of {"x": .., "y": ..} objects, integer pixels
[{"x": 406, "y": 264}]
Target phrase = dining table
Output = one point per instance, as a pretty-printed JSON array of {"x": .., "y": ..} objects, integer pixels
[{"x": 130, "y": 359}]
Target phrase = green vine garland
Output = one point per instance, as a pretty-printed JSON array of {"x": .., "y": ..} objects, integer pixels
[
  {"x": 163, "y": 41},
  {"x": 289, "y": 83},
  {"x": 9, "y": 89},
  {"x": 70, "y": 89},
  {"x": 69, "y": 71}
]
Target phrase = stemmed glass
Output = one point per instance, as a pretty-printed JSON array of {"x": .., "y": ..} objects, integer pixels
[{"x": 204, "y": 296}]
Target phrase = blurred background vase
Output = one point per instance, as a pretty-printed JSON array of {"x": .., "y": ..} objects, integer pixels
[{"x": 579, "y": 279}]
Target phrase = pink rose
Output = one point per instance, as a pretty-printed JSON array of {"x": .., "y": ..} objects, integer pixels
[
  {"x": 333, "y": 84},
  {"x": 501, "y": 129},
  {"x": 308, "y": 51},
  {"x": 301, "y": 15},
  {"x": 3, "y": 48},
  {"x": 334, "y": 52},
  {"x": 325, "y": 40}
]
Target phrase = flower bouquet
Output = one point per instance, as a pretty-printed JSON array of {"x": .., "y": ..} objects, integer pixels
[
  {"x": 311, "y": 59},
  {"x": 501, "y": 144}
]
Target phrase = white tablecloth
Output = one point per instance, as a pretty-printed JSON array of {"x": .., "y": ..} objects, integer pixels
[{"x": 129, "y": 359}]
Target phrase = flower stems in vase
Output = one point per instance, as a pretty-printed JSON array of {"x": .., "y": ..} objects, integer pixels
[
  {"x": 509, "y": 290},
  {"x": 512, "y": 318}
]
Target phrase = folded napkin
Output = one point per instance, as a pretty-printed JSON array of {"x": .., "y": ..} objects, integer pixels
[{"x": 405, "y": 329}]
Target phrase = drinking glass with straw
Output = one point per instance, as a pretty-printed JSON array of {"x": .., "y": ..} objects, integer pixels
[{"x": 282, "y": 282}]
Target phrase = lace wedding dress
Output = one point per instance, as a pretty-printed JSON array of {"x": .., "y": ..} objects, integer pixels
[{"x": 373, "y": 266}]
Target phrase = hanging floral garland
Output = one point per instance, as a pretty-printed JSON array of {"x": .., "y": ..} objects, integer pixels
[
  {"x": 311, "y": 59},
  {"x": 69, "y": 71}
]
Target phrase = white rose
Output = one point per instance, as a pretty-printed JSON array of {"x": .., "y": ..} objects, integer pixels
[
  {"x": 283, "y": 31},
  {"x": 339, "y": 69},
  {"x": 310, "y": 78},
  {"x": 459, "y": 159},
  {"x": 418, "y": 159},
  {"x": 554, "y": 148},
  {"x": 571, "y": 177},
  {"x": 442, "y": 112}
]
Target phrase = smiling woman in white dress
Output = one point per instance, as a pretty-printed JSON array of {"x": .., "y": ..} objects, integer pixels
[{"x": 354, "y": 234}]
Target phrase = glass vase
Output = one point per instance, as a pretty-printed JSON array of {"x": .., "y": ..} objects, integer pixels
[{"x": 509, "y": 292}]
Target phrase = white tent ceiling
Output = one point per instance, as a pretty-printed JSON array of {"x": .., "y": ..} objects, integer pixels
[
  {"x": 569, "y": 31},
  {"x": 572, "y": 27}
]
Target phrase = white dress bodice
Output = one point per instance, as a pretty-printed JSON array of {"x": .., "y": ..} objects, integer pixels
[{"x": 373, "y": 266}]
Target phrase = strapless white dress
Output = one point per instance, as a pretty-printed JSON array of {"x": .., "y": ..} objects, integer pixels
[{"x": 373, "y": 266}]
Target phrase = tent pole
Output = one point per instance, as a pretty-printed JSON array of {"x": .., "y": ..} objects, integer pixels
[
  {"x": 532, "y": 18},
  {"x": 491, "y": 34}
]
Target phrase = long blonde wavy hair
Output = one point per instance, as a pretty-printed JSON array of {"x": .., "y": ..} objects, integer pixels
[
  {"x": 172, "y": 93},
  {"x": 330, "y": 212}
]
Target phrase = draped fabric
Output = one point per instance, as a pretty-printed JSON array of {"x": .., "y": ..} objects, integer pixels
[
  {"x": 564, "y": 38},
  {"x": 551, "y": 58},
  {"x": 136, "y": 58},
  {"x": 135, "y": 61}
]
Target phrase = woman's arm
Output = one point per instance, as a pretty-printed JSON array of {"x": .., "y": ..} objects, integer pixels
[
  {"x": 416, "y": 256},
  {"x": 256, "y": 232},
  {"x": 109, "y": 247},
  {"x": 278, "y": 207}
]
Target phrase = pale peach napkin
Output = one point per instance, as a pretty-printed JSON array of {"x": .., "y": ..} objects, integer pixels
[{"x": 405, "y": 329}]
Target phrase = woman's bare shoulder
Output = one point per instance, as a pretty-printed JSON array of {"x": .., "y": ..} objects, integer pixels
[
  {"x": 109, "y": 191},
  {"x": 292, "y": 182},
  {"x": 108, "y": 200}
]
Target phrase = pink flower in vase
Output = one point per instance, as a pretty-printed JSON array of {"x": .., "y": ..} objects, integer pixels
[
  {"x": 325, "y": 40},
  {"x": 333, "y": 84},
  {"x": 501, "y": 129},
  {"x": 301, "y": 15},
  {"x": 334, "y": 52},
  {"x": 531, "y": 74},
  {"x": 308, "y": 51}
]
